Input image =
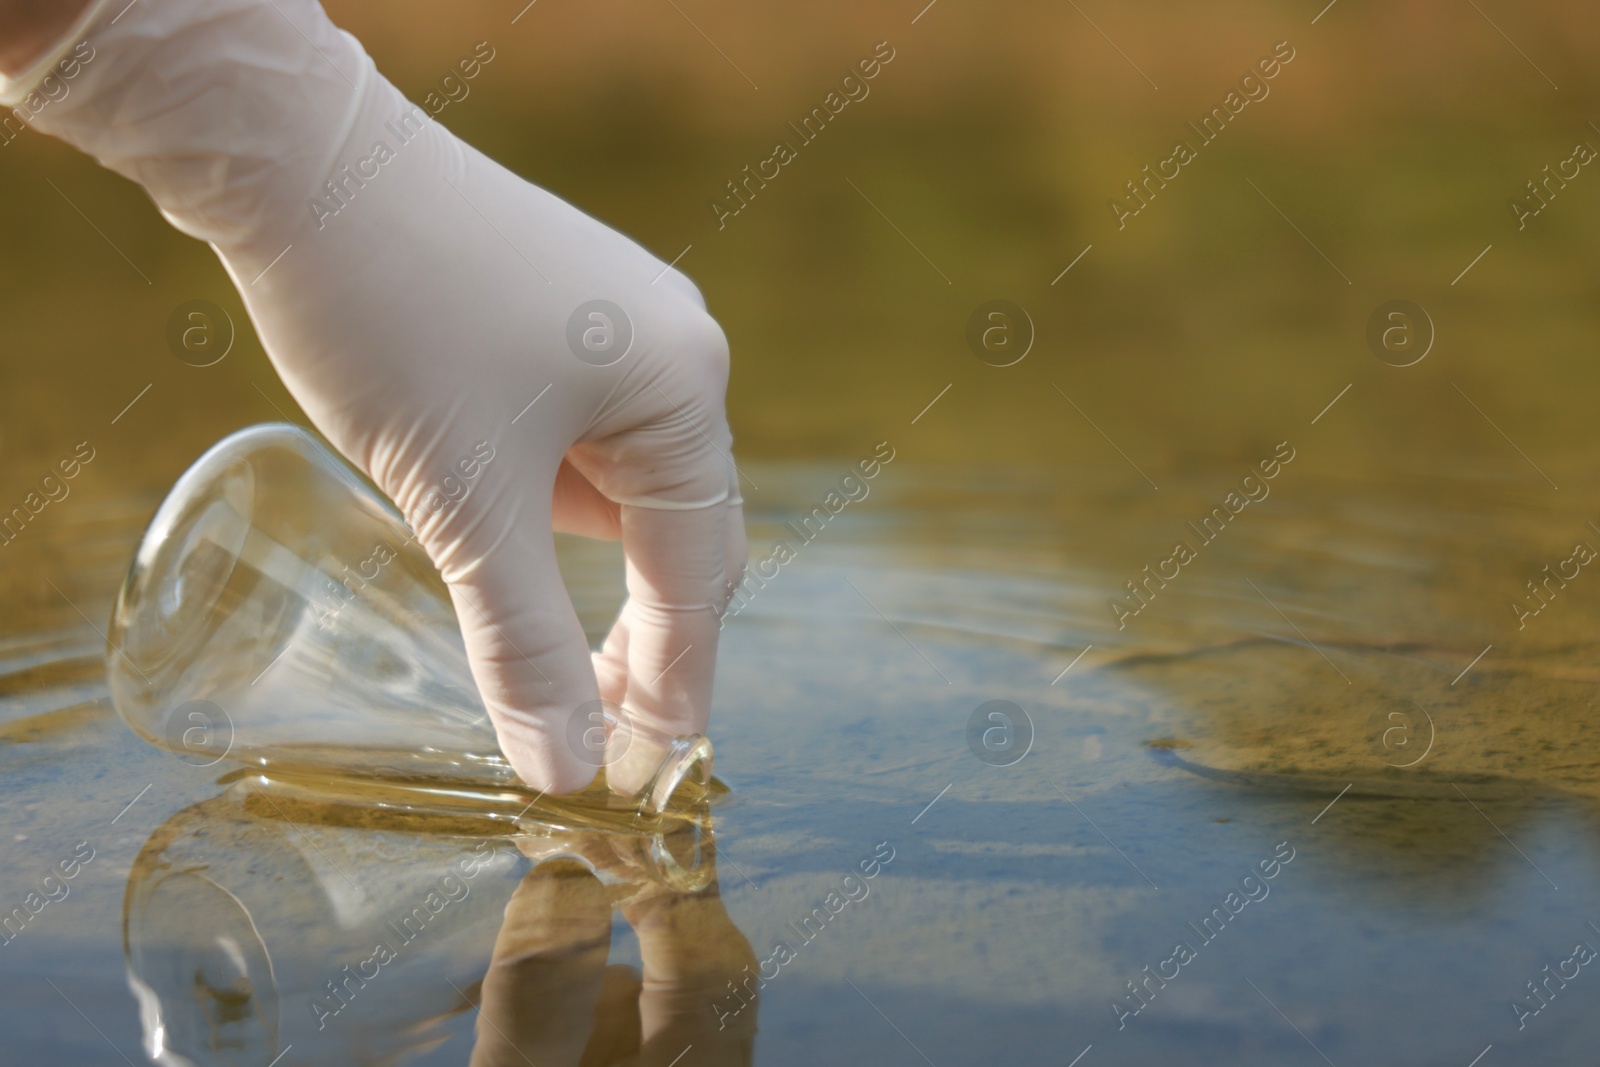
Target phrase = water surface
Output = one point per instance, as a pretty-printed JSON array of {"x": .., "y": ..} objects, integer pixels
[{"x": 1306, "y": 698}]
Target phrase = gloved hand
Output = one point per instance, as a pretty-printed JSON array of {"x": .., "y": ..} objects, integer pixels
[{"x": 427, "y": 308}]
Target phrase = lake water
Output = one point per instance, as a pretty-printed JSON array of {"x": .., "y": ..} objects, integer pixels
[{"x": 1289, "y": 802}]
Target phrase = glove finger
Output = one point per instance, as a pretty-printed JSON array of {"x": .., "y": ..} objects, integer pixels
[
  {"x": 736, "y": 546},
  {"x": 611, "y": 662},
  {"x": 675, "y": 580},
  {"x": 527, "y": 648}
]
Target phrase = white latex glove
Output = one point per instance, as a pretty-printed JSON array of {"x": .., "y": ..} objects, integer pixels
[{"x": 418, "y": 320}]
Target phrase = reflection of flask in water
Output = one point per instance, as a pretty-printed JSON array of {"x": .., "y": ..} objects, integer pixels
[
  {"x": 253, "y": 927},
  {"x": 280, "y": 613}
]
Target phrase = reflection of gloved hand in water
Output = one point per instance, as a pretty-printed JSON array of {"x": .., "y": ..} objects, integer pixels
[
  {"x": 549, "y": 998},
  {"x": 423, "y": 305}
]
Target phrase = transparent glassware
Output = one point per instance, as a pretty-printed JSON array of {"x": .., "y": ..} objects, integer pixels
[{"x": 280, "y": 613}]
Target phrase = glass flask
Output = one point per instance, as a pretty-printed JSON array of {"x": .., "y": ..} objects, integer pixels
[{"x": 280, "y": 613}]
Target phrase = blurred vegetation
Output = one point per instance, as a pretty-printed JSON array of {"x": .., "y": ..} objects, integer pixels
[{"x": 1205, "y": 331}]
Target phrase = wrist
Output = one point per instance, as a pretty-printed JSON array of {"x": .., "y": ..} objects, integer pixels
[{"x": 225, "y": 111}]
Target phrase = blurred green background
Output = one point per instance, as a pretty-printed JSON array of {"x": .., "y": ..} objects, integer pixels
[{"x": 1195, "y": 338}]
